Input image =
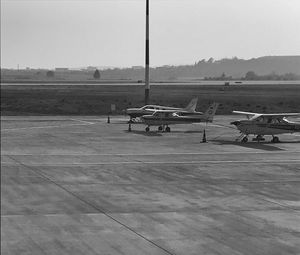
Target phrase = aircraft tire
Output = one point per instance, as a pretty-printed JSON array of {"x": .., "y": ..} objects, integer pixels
[
  {"x": 147, "y": 129},
  {"x": 245, "y": 139},
  {"x": 168, "y": 129},
  {"x": 275, "y": 139},
  {"x": 160, "y": 128}
]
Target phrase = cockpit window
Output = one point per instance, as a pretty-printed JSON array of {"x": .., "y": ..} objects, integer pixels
[{"x": 271, "y": 120}]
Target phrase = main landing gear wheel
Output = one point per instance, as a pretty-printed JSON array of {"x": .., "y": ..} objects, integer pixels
[
  {"x": 168, "y": 129},
  {"x": 160, "y": 128},
  {"x": 245, "y": 139},
  {"x": 147, "y": 129},
  {"x": 275, "y": 139}
]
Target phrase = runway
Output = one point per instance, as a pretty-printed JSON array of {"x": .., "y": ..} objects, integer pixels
[{"x": 80, "y": 185}]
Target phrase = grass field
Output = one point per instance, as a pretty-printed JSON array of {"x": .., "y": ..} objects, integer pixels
[{"x": 90, "y": 99}]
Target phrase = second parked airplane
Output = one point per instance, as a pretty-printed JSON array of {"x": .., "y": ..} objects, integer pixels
[
  {"x": 150, "y": 109},
  {"x": 164, "y": 118}
]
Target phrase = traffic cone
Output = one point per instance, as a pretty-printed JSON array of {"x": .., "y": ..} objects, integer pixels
[
  {"x": 108, "y": 119},
  {"x": 204, "y": 137},
  {"x": 129, "y": 127}
]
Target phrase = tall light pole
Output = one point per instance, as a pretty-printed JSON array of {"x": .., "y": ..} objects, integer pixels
[{"x": 147, "y": 84}]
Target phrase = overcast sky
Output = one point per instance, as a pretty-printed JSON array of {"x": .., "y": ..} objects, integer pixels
[{"x": 77, "y": 33}]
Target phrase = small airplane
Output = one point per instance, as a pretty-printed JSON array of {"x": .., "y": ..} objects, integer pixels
[
  {"x": 149, "y": 109},
  {"x": 164, "y": 118},
  {"x": 261, "y": 124}
]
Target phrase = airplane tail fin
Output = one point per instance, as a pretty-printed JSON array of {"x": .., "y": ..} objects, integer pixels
[
  {"x": 191, "y": 107},
  {"x": 210, "y": 112}
]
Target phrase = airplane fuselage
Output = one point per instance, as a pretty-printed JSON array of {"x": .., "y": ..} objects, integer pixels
[
  {"x": 249, "y": 127},
  {"x": 151, "y": 120},
  {"x": 138, "y": 112},
  {"x": 150, "y": 109}
]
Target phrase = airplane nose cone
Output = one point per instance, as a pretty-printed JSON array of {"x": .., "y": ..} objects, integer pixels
[{"x": 236, "y": 123}]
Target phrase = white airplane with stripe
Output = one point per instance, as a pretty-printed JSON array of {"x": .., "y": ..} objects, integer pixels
[
  {"x": 164, "y": 118},
  {"x": 261, "y": 124},
  {"x": 150, "y": 109}
]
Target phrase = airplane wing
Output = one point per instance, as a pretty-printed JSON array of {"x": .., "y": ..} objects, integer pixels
[
  {"x": 280, "y": 114},
  {"x": 248, "y": 114},
  {"x": 272, "y": 115},
  {"x": 171, "y": 111}
]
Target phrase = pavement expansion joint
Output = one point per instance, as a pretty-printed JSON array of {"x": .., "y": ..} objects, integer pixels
[{"x": 97, "y": 208}]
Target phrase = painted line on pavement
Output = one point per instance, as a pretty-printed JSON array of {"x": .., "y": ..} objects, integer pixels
[
  {"x": 155, "y": 154},
  {"x": 41, "y": 127},
  {"x": 288, "y": 161},
  {"x": 83, "y": 121}
]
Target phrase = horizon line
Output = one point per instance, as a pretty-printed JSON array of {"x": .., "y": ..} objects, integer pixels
[{"x": 104, "y": 67}]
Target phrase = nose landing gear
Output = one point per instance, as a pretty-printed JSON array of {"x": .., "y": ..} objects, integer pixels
[{"x": 245, "y": 139}]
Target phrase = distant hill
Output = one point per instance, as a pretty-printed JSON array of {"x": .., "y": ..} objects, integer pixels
[
  {"x": 234, "y": 67},
  {"x": 269, "y": 66}
]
